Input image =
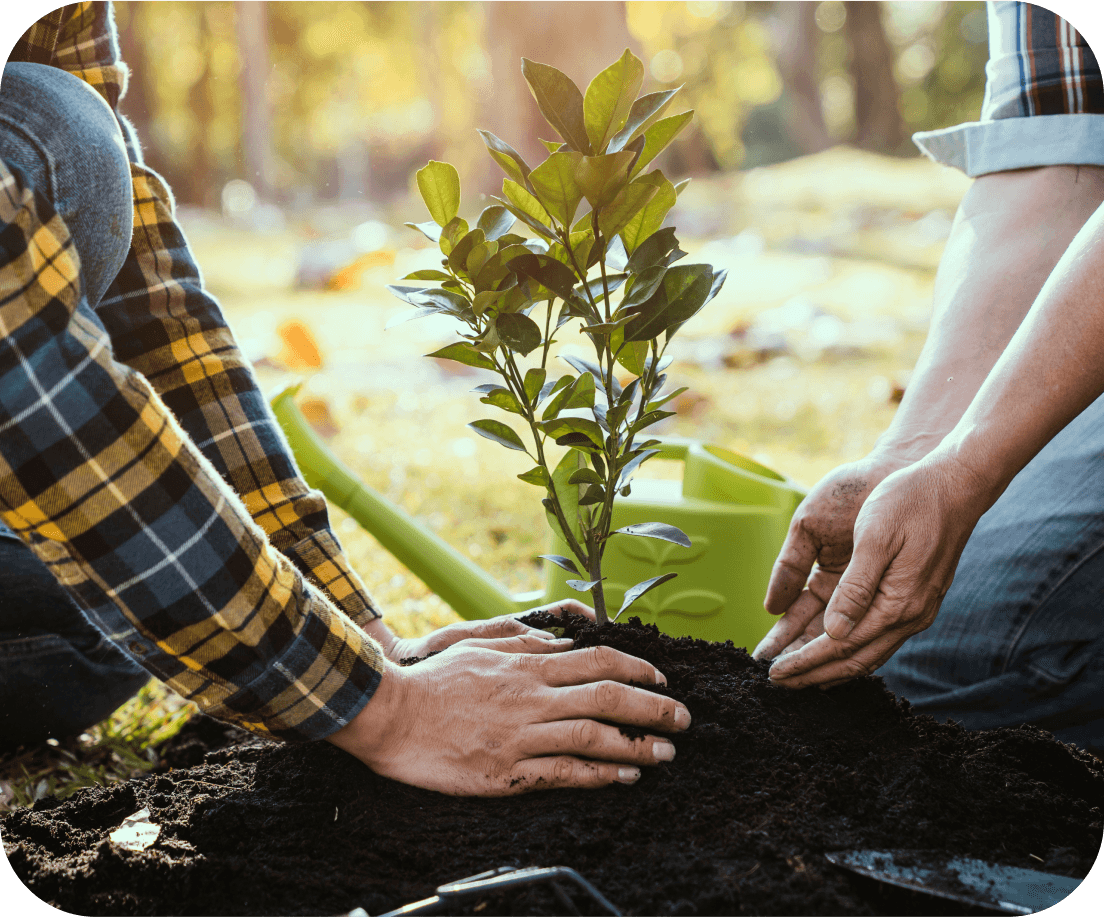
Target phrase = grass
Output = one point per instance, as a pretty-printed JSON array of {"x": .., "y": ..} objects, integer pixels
[{"x": 854, "y": 236}]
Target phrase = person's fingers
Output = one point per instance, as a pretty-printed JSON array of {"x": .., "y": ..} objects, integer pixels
[
  {"x": 566, "y": 606},
  {"x": 502, "y": 626},
  {"x": 791, "y": 569},
  {"x": 790, "y": 626},
  {"x": 858, "y": 586},
  {"x": 522, "y": 643},
  {"x": 601, "y": 663},
  {"x": 618, "y": 703},
  {"x": 863, "y": 661},
  {"x": 812, "y": 630},
  {"x": 567, "y": 772},
  {"x": 594, "y": 740}
]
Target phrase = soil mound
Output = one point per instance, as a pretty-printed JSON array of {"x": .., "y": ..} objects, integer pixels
[{"x": 766, "y": 781}]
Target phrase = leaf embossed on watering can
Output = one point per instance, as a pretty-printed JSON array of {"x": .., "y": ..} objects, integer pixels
[
  {"x": 661, "y": 553},
  {"x": 693, "y": 603}
]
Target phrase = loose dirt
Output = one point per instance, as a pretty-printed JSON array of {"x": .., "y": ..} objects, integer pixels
[{"x": 766, "y": 781}]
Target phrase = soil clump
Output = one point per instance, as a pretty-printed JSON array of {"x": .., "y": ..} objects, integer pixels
[{"x": 766, "y": 781}]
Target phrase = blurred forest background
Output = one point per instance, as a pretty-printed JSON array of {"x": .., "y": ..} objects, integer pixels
[{"x": 330, "y": 101}]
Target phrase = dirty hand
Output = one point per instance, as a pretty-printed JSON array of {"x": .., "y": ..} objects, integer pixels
[
  {"x": 491, "y": 633},
  {"x": 478, "y": 722},
  {"x": 821, "y": 533},
  {"x": 909, "y": 536}
]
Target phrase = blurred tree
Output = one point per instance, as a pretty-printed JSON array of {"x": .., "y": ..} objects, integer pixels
[
  {"x": 796, "y": 43},
  {"x": 878, "y": 123},
  {"x": 251, "y": 24}
]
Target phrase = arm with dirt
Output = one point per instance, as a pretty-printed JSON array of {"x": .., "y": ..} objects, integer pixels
[{"x": 1011, "y": 231}]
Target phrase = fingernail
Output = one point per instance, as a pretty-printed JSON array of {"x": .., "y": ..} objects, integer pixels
[
  {"x": 663, "y": 751},
  {"x": 841, "y": 624},
  {"x": 661, "y": 679},
  {"x": 682, "y": 717},
  {"x": 628, "y": 774}
]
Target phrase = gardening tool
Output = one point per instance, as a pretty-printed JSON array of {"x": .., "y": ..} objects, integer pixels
[
  {"x": 1007, "y": 889},
  {"x": 734, "y": 510},
  {"x": 496, "y": 880}
]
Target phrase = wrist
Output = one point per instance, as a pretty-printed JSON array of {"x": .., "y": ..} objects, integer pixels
[
  {"x": 383, "y": 635},
  {"x": 382, "y": 724}
]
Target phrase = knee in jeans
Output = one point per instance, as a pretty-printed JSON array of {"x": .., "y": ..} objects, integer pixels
[{"x": 66, "y": 139}]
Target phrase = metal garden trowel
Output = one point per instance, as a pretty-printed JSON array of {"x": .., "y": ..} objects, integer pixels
[{"x": 1006, "y": 889}]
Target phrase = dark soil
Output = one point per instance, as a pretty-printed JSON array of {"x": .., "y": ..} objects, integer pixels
[{"x": 766, "y": 781}]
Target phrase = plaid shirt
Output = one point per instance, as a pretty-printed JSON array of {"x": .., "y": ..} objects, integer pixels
[
  {"x": 141, "y": 463},
  {"x": 1038, "y": 65}
]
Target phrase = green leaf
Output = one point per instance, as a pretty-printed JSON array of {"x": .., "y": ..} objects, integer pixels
[
  {"x": 554, "y": 183},
  {"x": 635, "y": 462},
  {"x": 642, "y": 115},
  {"x": 632, "y": 354},
  {"x": 527, "y": 208},
  {"x": 593, "y": 494},
  {"x": 585, "y": 476},
  {"x": 601, "y": 177},
  {"x": 629, "y": 201},
  {"x": 428, "y": 274},
  {"x": 538, "y": 476},
  {"x": 565, "y": 563},
  {"x": 684, "y": 291},
  {"x": 657, "y": 404},
  {"x": 495, "y": 221},
  {"x": 484, "y": 301},
  {"x": 582, "y": 585},
  {"x": 561, "y": 426},
  {"x": 445, "y": 300},
  {"x": 451, "y": 234},
  {"x": 583, "y": 365},
  {"x": 567, "y": 494},
  {"x": 496, "y": 269},
  {"x": 646, "y": 420},
  {"x": 506, "y": 156},
  {"x": 643, "y": 287},
  {"x": 660, "y": 530},
  {"x": 658, "y": 136},
  {"x": 580, "y": 243},
  {"x": 680, "y": 186},
  {"x": 518, "y": 332},
  {"x": 430, "y": 230},
  {"x": 498, "y": 432},
  {"x": 553, "y": 146},
  {"x": 609, "y": 98},
  {"x": 640, "y": 588},
  {"x": 551, "y": 388},
  {"x": 463, "y": 352},
  {"x": 458, "y": 257},
  {"x": 479, "y": 256},
  {"x": 502, "y": 398},
  {"x": 658, "y": 248},
  {"x": 534, "y": 381},
  {"x": 560, "y": 101},
  {"x": 439, "y": 184},
  {"x": 558, "y": 403},
  {"x": 582, "y": 392},
  {"x": 548, "y": 272},
  {"x": 650, "y": 217}
]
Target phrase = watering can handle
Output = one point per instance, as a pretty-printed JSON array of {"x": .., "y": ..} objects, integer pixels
[{"x": 673, "y": 448}]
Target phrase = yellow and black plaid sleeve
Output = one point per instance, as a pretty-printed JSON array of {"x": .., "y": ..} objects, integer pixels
[
  {"x": 98, "y": 477},
  {"x": 163, "y": 323}
]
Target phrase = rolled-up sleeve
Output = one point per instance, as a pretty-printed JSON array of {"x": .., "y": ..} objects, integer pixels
[{"x": 1044, "y": 99}]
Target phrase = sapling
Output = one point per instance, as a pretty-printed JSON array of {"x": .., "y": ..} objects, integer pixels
[{"x": 610, "y": 267}]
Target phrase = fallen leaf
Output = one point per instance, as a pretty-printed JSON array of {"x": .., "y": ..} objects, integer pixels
[{"x": 136, "y": 832}]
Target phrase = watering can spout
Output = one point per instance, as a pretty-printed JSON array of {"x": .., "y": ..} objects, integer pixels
[{"x": 470, "y": 590}]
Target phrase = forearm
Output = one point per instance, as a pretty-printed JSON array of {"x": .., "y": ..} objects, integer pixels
[
  {"x": 1051, "y": 371},
  {"x": 1010, "y": 232}
]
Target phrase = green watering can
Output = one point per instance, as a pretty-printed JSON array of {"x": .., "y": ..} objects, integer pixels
[{"x": 735, "y": 512}]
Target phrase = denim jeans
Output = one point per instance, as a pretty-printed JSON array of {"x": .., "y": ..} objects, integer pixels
[
  {"x": 58, "y": 673},
  {"x": 1020, "y": 635}
]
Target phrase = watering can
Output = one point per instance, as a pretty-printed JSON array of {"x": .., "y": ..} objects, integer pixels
[{"x": 734, "y": 510}]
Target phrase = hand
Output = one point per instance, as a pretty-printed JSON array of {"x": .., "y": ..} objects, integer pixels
[
  {"x": 909, "y": 536},
  {"x": 477, "y": 722},
  {"x": 487, "y": 633},
  {"x": 821, "y": 533}
]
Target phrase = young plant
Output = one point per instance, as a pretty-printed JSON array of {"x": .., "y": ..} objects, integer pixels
[{"x": 611, "y": 269}]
